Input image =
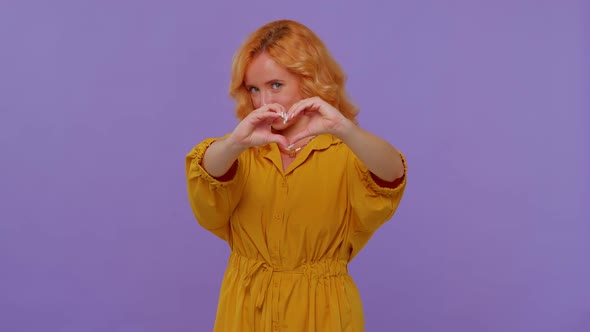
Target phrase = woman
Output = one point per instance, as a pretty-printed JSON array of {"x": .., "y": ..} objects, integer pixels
[{"x": 296, "y": 189}]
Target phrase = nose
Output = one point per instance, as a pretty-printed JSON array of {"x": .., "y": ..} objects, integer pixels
[{"x": 265, "y": 97}]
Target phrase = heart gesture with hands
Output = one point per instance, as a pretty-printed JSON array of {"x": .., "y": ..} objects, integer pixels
[{"x": 307, "y": 117}]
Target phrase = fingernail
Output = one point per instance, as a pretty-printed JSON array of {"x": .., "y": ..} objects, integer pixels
[{"x": 290, "y": 146}]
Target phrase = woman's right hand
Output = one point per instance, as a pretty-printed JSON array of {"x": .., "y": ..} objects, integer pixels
[{"x": 255, "y": 128}]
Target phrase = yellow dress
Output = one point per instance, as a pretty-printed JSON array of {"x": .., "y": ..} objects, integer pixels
[{"x": 291, "y": 234}]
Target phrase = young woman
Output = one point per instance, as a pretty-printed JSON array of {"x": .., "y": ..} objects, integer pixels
[{"x": 296, "y": 189}]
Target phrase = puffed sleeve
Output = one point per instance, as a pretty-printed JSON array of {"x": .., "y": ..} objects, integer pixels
[
  {"x": 373, "y": 203},
  {"x": 212, "y": 200}
]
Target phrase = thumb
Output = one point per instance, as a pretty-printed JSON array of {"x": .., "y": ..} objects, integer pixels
[{"x": 299, "y": 136}]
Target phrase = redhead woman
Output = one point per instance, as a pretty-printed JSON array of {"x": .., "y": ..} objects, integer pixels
[{"x": 296, "y": 189}]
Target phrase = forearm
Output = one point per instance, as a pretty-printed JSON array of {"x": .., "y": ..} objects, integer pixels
[
  {"x": 220, "y": 156},
  {"x": 380, "y": 157}
]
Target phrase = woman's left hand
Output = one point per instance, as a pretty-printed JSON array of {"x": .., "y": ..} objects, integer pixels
[{"x": 323, "y": 118}]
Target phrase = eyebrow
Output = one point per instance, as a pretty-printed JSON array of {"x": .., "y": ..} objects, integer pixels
[{"x": 265, "y": 83}]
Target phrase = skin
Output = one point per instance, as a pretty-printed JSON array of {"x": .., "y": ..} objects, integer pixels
[{"x": 275, "y": 92}]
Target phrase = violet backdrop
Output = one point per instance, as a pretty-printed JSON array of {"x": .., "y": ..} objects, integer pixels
[{"x": 101, "y": 100}]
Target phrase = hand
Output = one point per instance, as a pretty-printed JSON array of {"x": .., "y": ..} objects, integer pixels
[
  {"x": 255, "y": 129},
  {"x": 323, "y": 118}
]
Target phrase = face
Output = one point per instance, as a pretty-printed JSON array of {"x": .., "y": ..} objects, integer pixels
[{"x": 269, "y": 83}]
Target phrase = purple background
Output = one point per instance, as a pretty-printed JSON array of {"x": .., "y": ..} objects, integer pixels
[{"x": 101, "y": 100}]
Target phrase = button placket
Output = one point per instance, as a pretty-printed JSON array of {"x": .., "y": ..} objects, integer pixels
[
  {"x": 275, "y": 302},
  {"x": 277, "y": 222}
]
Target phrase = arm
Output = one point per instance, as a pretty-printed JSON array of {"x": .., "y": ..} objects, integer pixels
[
  {"x": 253, "y": 130},
  {"x": 373, "y": 196},
  {"x": 380, "y": 157},
  {"x": 220, "y": 156},
  {"x": 212, "y": 200}
]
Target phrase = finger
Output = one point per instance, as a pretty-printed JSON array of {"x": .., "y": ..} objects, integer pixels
[
  {"x": 281, "y": 111},
  {"x": 274, "y": 109},
  {"x": 295, "y": 108},
  {"x": 270, "y": 108},
  {"x": 303, "y": 106},
  {"x": 265, "y": 116},
  {"x": 277, "y": 108},
  {"x": 279, "y": 139},
  {"x": 301, "y": 135}
]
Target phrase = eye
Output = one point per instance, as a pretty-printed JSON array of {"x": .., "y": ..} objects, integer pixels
[
  {"x": 253, "y": 89},
  {"x": 277, "y": 85}
]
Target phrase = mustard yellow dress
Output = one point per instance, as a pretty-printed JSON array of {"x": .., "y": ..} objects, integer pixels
[{"x": 291, "y": 234}]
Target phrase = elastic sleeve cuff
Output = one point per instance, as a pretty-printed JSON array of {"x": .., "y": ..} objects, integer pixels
[
  {"x": 194, "y": 160},
  {"x": 379, "y": 186}
]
